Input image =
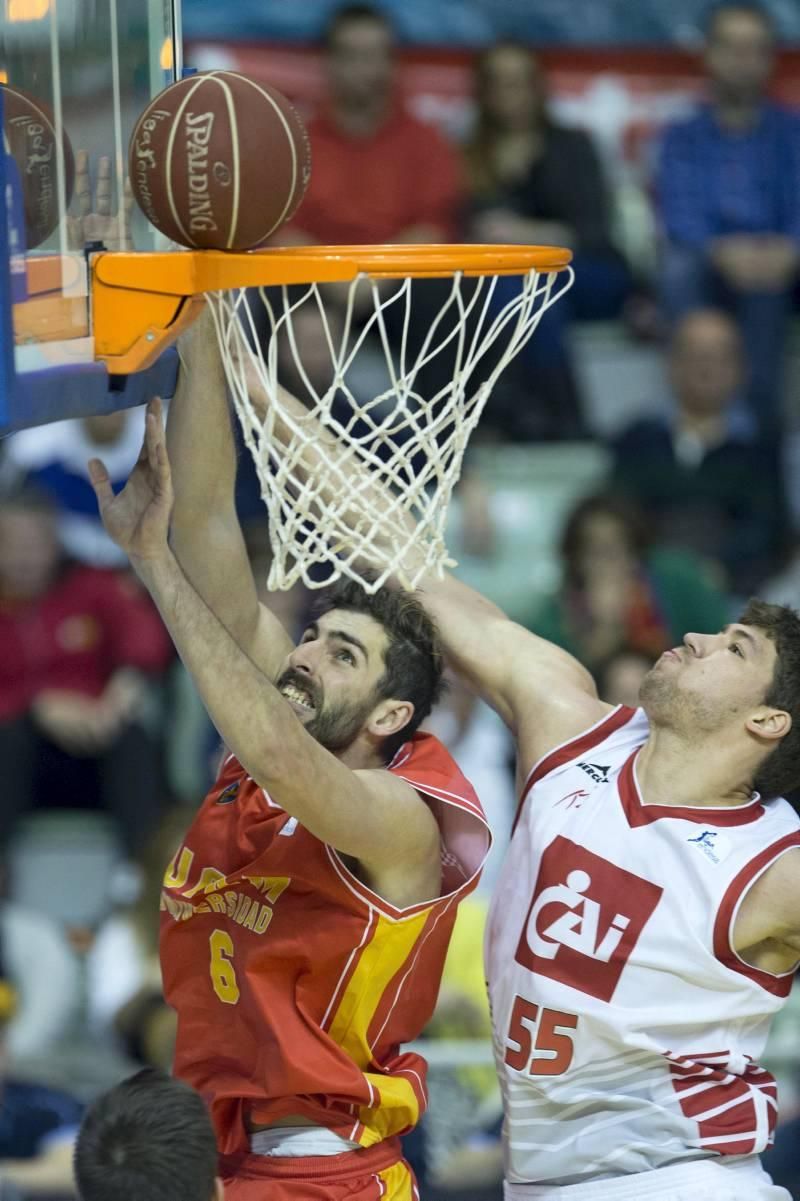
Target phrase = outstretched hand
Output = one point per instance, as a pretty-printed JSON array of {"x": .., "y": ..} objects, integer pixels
[{"x": 137, "y": 518}]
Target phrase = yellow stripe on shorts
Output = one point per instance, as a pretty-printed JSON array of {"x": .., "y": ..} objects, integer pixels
[{"x": 398, "y": 1183}]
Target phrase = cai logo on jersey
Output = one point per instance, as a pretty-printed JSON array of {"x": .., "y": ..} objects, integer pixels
[{"x": 584, "y": 919}]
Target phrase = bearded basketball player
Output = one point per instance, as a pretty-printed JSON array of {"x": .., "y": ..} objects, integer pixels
[
  {"x": 307, "y": 915},
  {"x": 646, "y": 926}
]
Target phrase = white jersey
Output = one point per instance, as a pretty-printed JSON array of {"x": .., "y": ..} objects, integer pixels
[{"x": 627, "y": 1029}]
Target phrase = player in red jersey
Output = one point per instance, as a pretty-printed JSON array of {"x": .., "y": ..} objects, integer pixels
[{"x": 308, "y": 912}]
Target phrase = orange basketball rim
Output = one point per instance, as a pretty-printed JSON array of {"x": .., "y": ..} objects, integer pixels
[{"x": 143, "y": 301}]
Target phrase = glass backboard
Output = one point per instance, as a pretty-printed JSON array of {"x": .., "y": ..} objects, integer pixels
[{"x": 86, "y": 69}]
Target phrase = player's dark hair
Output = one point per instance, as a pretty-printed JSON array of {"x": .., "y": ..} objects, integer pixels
[
  {"x": 348, "y": 13},
  {"x": 718, "y": 11},
  {"x": 413, "y": 661},
  {"x": 148, "y": 1139},
  {"x": 780, "y": 771}
]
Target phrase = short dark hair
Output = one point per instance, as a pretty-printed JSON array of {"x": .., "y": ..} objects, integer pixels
[
  {"x": 148, "y": 1139},
  {"x": 779, "y": 773},
  {"x": 347, "y": 13},
  {"x": 723, "y": 8},
  {"x": 413, "y": 660}
]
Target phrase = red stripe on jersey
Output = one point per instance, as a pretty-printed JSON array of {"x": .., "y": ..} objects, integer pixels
[
  {"x": 573, "y": 749},
  {"x": 726, "y": 1105},
  {"x": 639, "y": 813},
  {"x": 350, "y": 968},
  {"x": 778, "y": 985}
]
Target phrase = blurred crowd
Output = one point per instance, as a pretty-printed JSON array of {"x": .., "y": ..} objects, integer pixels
[{"x": 664, "y": 527}]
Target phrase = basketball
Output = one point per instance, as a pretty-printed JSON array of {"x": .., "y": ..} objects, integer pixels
[
  {"x": 29, "y": 136},
  {"x": 219, "y": 162}
]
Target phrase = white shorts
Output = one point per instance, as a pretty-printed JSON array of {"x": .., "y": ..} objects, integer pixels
[{"x": 700, "y": 1180}]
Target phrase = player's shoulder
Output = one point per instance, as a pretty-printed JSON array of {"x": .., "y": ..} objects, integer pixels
[
  {"x": 617, "y": 729},
  {"x": 428, "y": 764}
]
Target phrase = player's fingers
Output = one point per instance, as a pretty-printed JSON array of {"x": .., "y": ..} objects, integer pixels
[
  {"x": 102, "y": 201},
  {"x": 154, "y": 435},
  {"x": 162, "y": 464},
  {"x": 83, "y": 186},
  {"x": 101, "y": 482}
]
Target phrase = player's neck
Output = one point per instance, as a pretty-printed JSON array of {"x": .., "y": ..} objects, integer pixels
[
  {"x": 360, "y": 756},
  {"x": 672, "y": 769}
]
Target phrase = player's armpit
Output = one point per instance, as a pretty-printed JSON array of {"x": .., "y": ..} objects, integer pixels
[
  {"x": 766, "y": 933},
  {"x": 368, "y": 816}
]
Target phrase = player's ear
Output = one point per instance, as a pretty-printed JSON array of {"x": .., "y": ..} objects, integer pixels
[
  {"x": 769, "y": 724},
  {"x": 389, "y": 717}
]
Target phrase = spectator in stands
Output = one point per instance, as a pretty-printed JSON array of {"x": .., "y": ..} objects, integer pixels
[
  {"x": 80, "y": 646},
  {"x": 44, "y": 974},
  {"x": 620, "y": 676},
  {"x": 55, "y": 456},
  {"x": 704, "y": 476},
  {"x": 619, "y": 591},
  {"x": 379, "y": 174},
  {"x": 727, "y": 183},
  {"x": 37, "y": 1124},
  {"x": 532, "y": 180},
  {"x": 124, "y": 996},
  {"x": 148, "y": 1139}
]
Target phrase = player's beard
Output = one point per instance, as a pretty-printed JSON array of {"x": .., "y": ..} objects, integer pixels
[
  {"x": 680, "y": 709},
  {"x": 336, "y": 726}
]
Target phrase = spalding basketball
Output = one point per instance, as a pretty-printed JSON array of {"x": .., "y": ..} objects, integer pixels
[
  {"x": 219, "y": 162},
  {"x": 29, "y": 136}
]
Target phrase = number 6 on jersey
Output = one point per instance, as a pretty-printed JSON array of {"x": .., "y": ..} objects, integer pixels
[{"x": 223, "y": 974}]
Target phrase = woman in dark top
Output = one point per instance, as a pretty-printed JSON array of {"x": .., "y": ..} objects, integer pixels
[{"x": 534, "y": 181}]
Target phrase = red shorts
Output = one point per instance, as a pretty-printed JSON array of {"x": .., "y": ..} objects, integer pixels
[{"x": 375, "y": 1174}]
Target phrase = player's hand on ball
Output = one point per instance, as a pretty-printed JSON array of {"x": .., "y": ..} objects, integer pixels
[
  {"x": 96, "y": 219},
  {"x": 138, "y": 517}
]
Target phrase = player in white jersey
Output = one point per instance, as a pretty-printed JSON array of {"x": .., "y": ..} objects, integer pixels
[{"x": 646, "y": 925}]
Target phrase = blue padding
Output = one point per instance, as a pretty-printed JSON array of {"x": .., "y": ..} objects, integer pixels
[{"x": 82, "y": 390}]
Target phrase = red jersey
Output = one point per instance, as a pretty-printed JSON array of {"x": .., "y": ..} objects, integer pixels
[
  {"x": 295, "y": 984},
  {"x": 405, "y": 174},
  {"x": 89, "y": 623}
]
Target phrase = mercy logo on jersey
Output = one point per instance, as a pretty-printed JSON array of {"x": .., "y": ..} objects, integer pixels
[
  {"x": 596, "y": 771},
  {"x": 585, "y": 918}
]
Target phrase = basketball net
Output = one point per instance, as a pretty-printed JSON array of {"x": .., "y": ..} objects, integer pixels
[{"x": 408, "y": 445}]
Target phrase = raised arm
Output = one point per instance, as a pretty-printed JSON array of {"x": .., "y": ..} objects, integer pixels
[
  {"x": 369, "y": 815},
  {"x": 543, "y": 694},
  {"x": 205, "y": 533}
]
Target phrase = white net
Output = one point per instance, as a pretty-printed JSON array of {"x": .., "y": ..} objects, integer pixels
[{"x": 318, "y": 464}]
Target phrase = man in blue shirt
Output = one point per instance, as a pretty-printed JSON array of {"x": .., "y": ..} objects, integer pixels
[{"x": 728, "y": 186}]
